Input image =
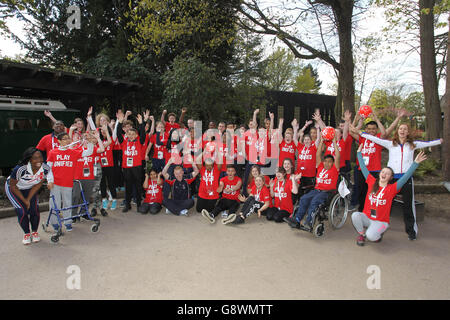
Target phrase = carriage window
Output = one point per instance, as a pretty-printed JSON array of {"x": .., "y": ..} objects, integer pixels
[
  {"x": 19, "y": 124},
  {"x": 44, "y": 124}
]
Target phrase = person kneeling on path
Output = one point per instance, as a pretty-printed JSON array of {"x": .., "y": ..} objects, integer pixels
[
  {"x": 377, "y": 208},
  {"x": 181, "y": 200},
  {"x": 153, "y": 193},
  {"x": 230, "y": 187},
  {"x": 258, "y": 201},
  {"x": 326, "y": 181}
]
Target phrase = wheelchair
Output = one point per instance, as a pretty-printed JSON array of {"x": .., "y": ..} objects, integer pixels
[{"x": 334, "y": 210}]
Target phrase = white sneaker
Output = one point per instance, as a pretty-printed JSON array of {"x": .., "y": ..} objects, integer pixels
[
  {"x": 35, "y": 237},
  {"x": 208, "y": 216},
  {"x": 184, "y": 213},
  {"x": 168, "y": 211},
  {"x": 26, "y": 239}
]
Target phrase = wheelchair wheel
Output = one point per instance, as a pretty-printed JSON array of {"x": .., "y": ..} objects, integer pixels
[
  {"x": 338, "y": 211},
  {"x": 54, "y": 239},
  {"x": 94, "y": 228},
  {"x": 319, "y": 230}
]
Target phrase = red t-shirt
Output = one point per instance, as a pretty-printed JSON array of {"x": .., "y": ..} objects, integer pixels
[
  {"x": 283, "y": 195},
  {"x": 371, "y": 153},
  {"x": 209, "y": 148},
  {"x": 170, "y": 126},
  {"x": 84, "y": 169},
  {"x": 330, "y": 150},
  {"x": 48, "y": 143},
  {"x": 106, "y": 158},
  {"x": 251, "y": 151},
  {"x": 306, "y": 163},
  {"x": 225, "y": 151},
  {"x": 227, "y": 193},
  {"x": 348, "y": 148},
  {"x": 153, "y": 194},
  {"x": 287, "y": 150},
  {"x": 64, "y": 165},
  {"x": 381, "y": 202},
  {"x": 209, "y": 183},
  {"x": 262, "y": 195},
  {"x": 131, "y": 153},
  {"x": 159, "y": 152},
  {"x": 326, "y": 179}
]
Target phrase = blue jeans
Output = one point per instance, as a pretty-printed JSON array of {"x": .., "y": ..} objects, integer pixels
[{"x": 309, "y": 202}]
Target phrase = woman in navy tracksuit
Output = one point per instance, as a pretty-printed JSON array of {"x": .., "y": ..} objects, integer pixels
[{"x": 22, "y": 188}]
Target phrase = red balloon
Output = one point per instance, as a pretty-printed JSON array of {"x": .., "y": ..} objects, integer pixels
[
  {"x": 328, "y": 133},
  {"x": 365, "y": 111}
]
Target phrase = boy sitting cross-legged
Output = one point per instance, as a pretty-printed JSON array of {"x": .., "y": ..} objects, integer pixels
[{"x": 230, "y": 186}]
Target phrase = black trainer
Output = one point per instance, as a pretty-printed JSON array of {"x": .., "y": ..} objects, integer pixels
[
  {"x": 126, "y": 208},
  {"x": 305, "y": 227},
  {"x": 292, "y": 222},
  {"x": 239, "y": 220}
]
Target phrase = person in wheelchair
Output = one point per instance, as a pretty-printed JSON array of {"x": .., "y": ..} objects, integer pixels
[{"x": 326, "y": 182}]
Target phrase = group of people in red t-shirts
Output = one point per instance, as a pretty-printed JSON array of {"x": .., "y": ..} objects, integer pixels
[{"x": 261, "y": 167}]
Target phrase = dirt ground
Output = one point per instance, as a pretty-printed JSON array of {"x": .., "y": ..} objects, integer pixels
[{"x": 136, "y": 256}]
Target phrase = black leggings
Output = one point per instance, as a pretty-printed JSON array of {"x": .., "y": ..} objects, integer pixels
[
  {"x": 225, "y": 204},
  {"x": 133, "y": 177},
  {"x": 108, "y": 179},
  {"x": 251, "y": 206},
  {"x": 276, "y": 215},
  {"x": 153, "y": 208},
  {"x": 207, "y": 204}
]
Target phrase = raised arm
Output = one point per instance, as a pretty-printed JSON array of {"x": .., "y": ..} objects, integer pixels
[
  {"x": 337, "y": 154},
  {"x": 382, "y": 142},
  {"x": 49, "y": 115},
  {"x": 181, "y": 120},
  {"x": 400, "y": 114},
  {"x": 319, "y": 152},
  {"x": 383, "y": 133},
  {"x": 362, "y": 165},
  {"x": 317, "y": 117},
  {"x": 426, "y": 144}
]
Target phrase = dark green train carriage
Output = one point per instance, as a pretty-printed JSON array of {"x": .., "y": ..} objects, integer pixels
[{"x": 23, "y": 124}]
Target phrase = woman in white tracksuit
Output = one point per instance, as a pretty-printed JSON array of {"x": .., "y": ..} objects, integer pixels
[{"x": 401, "y": 156}]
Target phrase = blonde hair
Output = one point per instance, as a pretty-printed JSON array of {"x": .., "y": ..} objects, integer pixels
[{"x": 99, "y": 116}]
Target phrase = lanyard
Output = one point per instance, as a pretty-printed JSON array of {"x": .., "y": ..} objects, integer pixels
[{"x": 257, "y": 194}]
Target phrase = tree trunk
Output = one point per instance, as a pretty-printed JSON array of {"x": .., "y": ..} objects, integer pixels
[
  {"x": 446, "y": 144},
  {"x": 338, "y": 106},
  {"x": 343, "y": 14},
  {"x": 429, "y": 78}
]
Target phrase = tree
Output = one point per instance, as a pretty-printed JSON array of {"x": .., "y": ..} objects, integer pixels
[
  {"x": 417, "y": 18},
  {"x": 282, "y": 23},
  {"x": 280, "y": 69},
  {"x": 199, "y": 28},
  {"x": 307, "y": 80}
]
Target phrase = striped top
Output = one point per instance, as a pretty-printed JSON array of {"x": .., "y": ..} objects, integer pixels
[{"x": 25, "y": 177}]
